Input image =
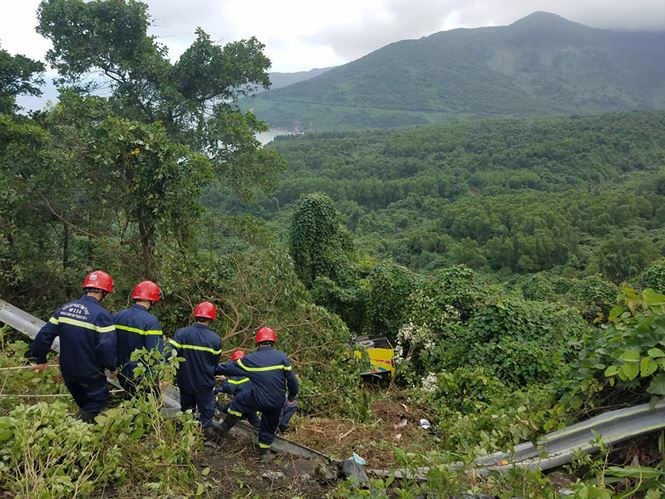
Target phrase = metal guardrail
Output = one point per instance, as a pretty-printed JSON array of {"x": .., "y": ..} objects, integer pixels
[
  {"x": 30, "y": 325},
  {"x": 558, "y": 448}
]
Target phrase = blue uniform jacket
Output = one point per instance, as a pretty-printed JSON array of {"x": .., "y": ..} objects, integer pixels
[
  {"x": 270, "y": 375},
  {"x": 136, "y": 329},
  {"x": 201, "y": 347},
  {"x": 233, "y": 385},
  {"x": 87, "y": 339}
]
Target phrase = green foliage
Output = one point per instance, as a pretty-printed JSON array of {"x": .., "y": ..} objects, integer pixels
[
  {"x": 434, "y": 196},
  {"x": 654, "y": 276},
  {"x": 194, "y": 98},
  {"x": 320, "y": 245},
  {"x": 21, "y": 384},
  {"x": 19, "y": 75},
  {"x": 620, "y": 258},
  {"x": 457, "y": 287},
  {"x": 431, "y": 475},
  {"x": 388, "y": 290},
  {"x": 46, "y": 452},
  {"x": 524, "y": 341},
  {"x": 624, "y": 362},
  {"x": 593, "y": 296}
]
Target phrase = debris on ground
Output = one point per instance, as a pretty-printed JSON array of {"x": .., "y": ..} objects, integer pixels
[
  {"x": 357, "y": 459},
  {"x": 235, "y": 467}
]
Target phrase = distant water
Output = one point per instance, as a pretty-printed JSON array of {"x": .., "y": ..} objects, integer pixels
[{"x": 265, "y": 137}]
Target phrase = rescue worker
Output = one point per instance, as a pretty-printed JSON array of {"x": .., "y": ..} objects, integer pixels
[
  {"x": 234, "y": 385},
  {"x": 201, "y": 347},
  {"x": 87, "y": 345},
  {"x": 137, "y": 328},
  {"x": 270, "y": 375}
]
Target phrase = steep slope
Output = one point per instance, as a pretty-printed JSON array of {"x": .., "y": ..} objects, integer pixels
[{"x": 541, "y": 64}]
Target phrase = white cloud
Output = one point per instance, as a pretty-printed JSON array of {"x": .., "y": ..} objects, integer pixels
[{"x": 302, "y": 34}]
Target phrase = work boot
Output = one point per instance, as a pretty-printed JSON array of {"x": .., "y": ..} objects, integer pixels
[
  {"x": 213, "y": 431},
  {"x": 265, "y": 455},
  {"x": 86, "y": 416},
  {"x": 229, "y": 422}
]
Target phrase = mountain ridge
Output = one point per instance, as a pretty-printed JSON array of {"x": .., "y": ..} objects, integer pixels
[{"x": 541, "y": 64}]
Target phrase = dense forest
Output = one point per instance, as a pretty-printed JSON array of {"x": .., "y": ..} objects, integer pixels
[
  {"x": 539, "y": 65},
  {"x": 577, "y": 196},
  {"x": 515, "y": 265}
]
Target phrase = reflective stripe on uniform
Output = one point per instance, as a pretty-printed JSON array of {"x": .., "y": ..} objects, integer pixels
[
  {"x": 195, "y": 347},
  {"x": 267, "y": 368},
  {"x": 234, "y": 382},
  {"x": 263, "y": 446},
  {"x": 138, "y": 331},
  {"x": 86, "y": 325},
  {"x": 53, "y": 320},
  {"x": 234, "y": 413}
]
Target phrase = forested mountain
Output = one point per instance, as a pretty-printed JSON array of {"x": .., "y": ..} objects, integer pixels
[
  {"x": 584, "y": 194},
  {"x": 542, "y": 64}
]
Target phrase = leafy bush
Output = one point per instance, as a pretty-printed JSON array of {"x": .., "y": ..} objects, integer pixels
[
  {"x": 458, "y": 287},
  {"x": 522, "y": 341},
  {"x": 388, "y": 289},
  {"x": 477, "y": 413},
  {"x": 45, "y": 452},
  {"x": 624, "y": 361},
  {"x": 654, "y": 276}
]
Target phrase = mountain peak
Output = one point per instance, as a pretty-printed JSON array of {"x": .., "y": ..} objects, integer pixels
[{"x": 541, "y": 19}]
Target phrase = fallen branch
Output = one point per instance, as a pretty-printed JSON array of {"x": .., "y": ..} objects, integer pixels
[{"x": 34, "y": 366}]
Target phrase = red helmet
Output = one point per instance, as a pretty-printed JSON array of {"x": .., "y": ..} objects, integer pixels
[
  {"x": 265, "y": 334},
  {"x": 206, "y": 310},
  {"x": 237, "y": 354},
  {"x": 98, "y": 280},
  {"x": 147, "y": 290}
]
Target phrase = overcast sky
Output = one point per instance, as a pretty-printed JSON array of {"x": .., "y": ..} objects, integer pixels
[{"x": 305, "y": 34}]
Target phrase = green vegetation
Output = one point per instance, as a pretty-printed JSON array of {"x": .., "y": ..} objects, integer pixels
[
  {"x": 572, "y": 196},
  {"x": 516, "y": 265}
]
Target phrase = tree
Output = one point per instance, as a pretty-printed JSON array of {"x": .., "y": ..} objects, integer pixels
[
  {"x": 166, "y": 125},
  {"x": 320, "y": 244},
  {"x": 18, "y": 75},
  {"x": 620, "y": 258}
]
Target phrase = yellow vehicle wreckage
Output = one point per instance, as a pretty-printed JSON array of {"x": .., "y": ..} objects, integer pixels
[{"x": 380, "y": 353}]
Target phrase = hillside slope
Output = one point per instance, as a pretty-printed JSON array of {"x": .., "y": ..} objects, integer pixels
[{"x": 541, "y": 64}]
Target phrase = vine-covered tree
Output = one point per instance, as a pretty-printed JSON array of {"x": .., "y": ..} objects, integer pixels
[{"x": 320, "y": 245}]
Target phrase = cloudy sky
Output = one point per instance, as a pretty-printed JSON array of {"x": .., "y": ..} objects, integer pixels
[{"x": 304, "y": 34}]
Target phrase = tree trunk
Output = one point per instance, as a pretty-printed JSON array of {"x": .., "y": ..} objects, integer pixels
[
  {"x": 147, "y": 249},
  {"x": 65, "y": 246}
]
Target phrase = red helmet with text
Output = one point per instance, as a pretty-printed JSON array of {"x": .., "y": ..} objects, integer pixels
[
  {"x": 205, "y": 310},
  {"x": 98, "y": 280},
  {"x": 147, "y": 290},
  {"x": 265, "y": 334},
  {"x": 237, "y": 354}
]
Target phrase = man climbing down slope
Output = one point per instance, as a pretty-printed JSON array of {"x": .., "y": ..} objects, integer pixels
[
  {"x": 201, "y": 347},
  {"x": 235, "y": 385},
  {"x": 137, "y": 328},
  {"x": 87, "y": 345},
  {"x": 270, "y": 375}
]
